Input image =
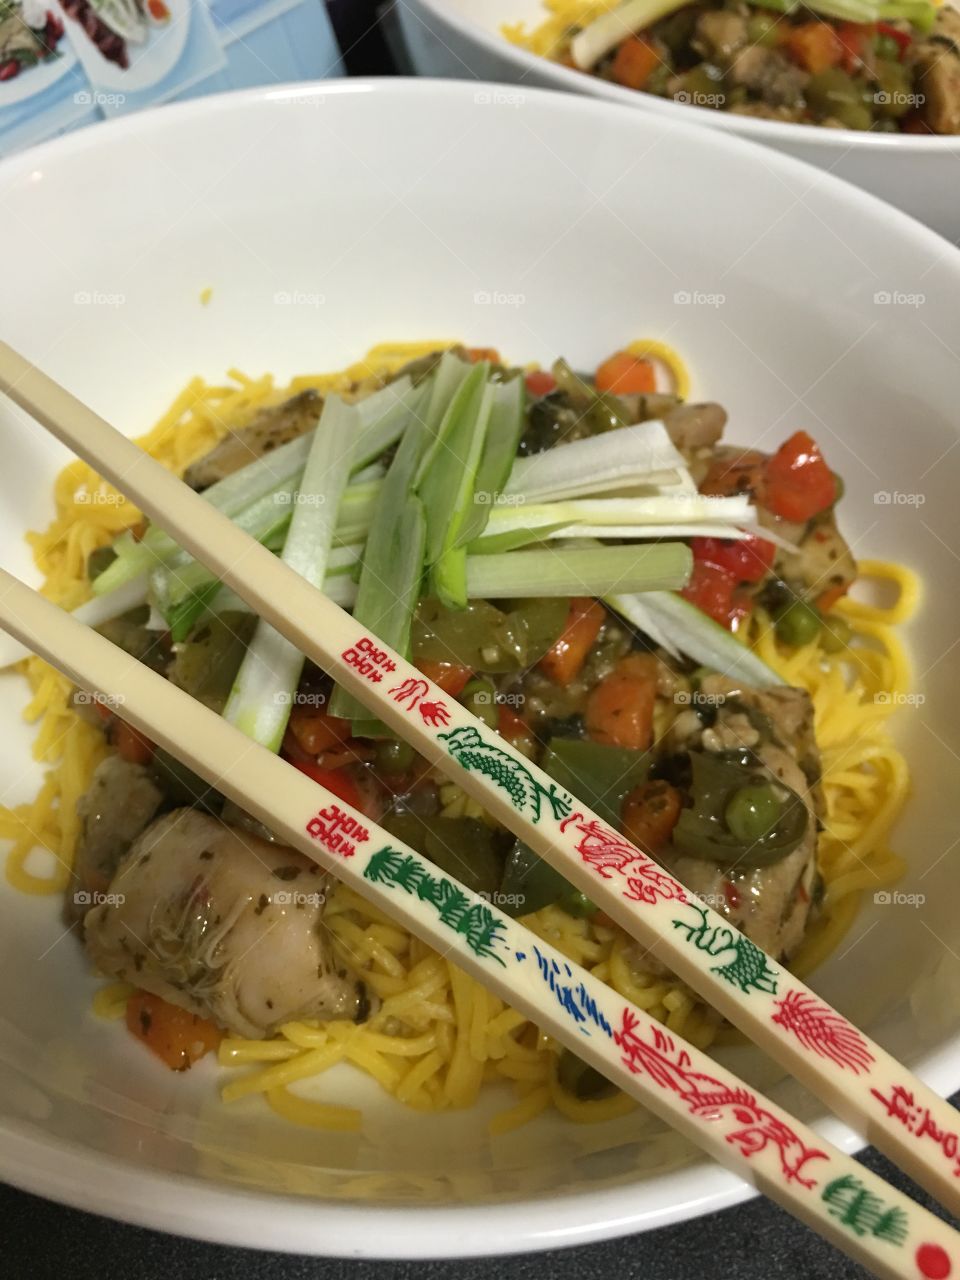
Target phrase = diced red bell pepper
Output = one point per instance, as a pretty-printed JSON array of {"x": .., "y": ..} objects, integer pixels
[
  {"x": 339, "y": 781},
  {"x": 799, "y": 484},
  {"x": 856, "y": 38},
  {"x": 510, "y": 725},
  {"x": 715, "y": 592},
  {"x": 747, "y": 560}
]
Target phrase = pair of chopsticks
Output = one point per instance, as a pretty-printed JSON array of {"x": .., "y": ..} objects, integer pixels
[{"x": 764, "y": 1144}]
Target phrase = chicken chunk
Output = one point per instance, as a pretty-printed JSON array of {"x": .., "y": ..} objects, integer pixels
[
  {"x": 936, "y": 61},
  {"x": 719, "y": 34},
  {"x": 121, "y": 801},
  {"x": 695, "y": 426},
  {"x": 768, "y": 74},
  {"x": 223, "y": 924},
  {"x": 770, "y": 904},
  {"x": 269, "y": 429}
]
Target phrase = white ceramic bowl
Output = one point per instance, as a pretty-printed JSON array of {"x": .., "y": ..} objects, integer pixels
[
  {"x": 462, "y": 39},
  {"x": 552, "y": 224}
]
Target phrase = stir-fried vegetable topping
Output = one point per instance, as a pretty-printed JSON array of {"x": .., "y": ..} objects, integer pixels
[{"x": 572, "y": 567}]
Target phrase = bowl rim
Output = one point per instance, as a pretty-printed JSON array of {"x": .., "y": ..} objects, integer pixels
[
  {"x": 767, "y": 131},
  {"x": 234, "y": 1215}
]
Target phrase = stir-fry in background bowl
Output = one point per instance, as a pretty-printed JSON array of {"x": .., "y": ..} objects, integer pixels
[
  {"x": 328, "y": 218},
  {"x": 463, "y": 39}
]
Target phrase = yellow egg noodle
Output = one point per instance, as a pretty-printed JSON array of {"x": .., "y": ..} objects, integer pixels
[
  {"x": 551, "y": 37},
  {"x": 438, "y": 1036}
]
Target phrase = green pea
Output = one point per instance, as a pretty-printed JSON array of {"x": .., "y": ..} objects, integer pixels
[
  {"x": 762, "y": 28},
  {"x": 840, "y": 487},
  {"x": 887, "y": 47},
  {"x": 480, "y": 697},
  {"x": 752, "y": 811},
  {"x": 799, "y": 623},
  {"x": 577, "y": 904},
  {"x": 394, "y": 756},
  {"x": 836, "y": 633}
]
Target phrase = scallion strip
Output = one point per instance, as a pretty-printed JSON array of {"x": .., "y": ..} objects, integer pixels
[
  {"x": 262, "y": 694},
  {"x": 640, "y": 454},
  {"x": 610, "y": 29},
  {"x": 579, "y": 571},
  {"x": 681, "y": 628}
]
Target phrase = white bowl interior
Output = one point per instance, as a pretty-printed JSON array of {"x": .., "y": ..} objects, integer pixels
[
  {"x": 400, "y": 210},
  {"x": 464, "y": 39}
]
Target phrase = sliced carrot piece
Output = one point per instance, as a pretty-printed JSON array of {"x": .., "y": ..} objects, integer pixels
[
  {"x": 635, "y": 59},
  {"x": 563, "y": 661},
  {"x": 650, "y": 812},
  {"x": 178, "y": 1038},
  {"x": 625, "y": 374},
  {"x": 619, "y": 709}
]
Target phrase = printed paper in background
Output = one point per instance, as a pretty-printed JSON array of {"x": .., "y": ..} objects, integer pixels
[
  {"x": 66, "y": 63},
  {"x": 139, "y": 56}
]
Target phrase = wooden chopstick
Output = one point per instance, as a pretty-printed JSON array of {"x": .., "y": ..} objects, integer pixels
[
  {"x": 829, "y": 1191},
  {"x": 853, "y": 1075}
]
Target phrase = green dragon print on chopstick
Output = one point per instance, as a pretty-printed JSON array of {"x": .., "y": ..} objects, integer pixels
[
  {"x": 468, "y": 746},
  {"x": 748, "y": 967}
]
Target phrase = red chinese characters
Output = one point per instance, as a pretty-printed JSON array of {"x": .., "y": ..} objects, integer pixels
[
  {"x": 916, "y": 1119},
  {"x": 369, "y": 660},
  {"x": 337, "y": 831}
]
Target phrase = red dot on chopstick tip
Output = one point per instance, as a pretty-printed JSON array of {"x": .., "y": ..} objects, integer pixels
[{"x": 933, "y": 1261}]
